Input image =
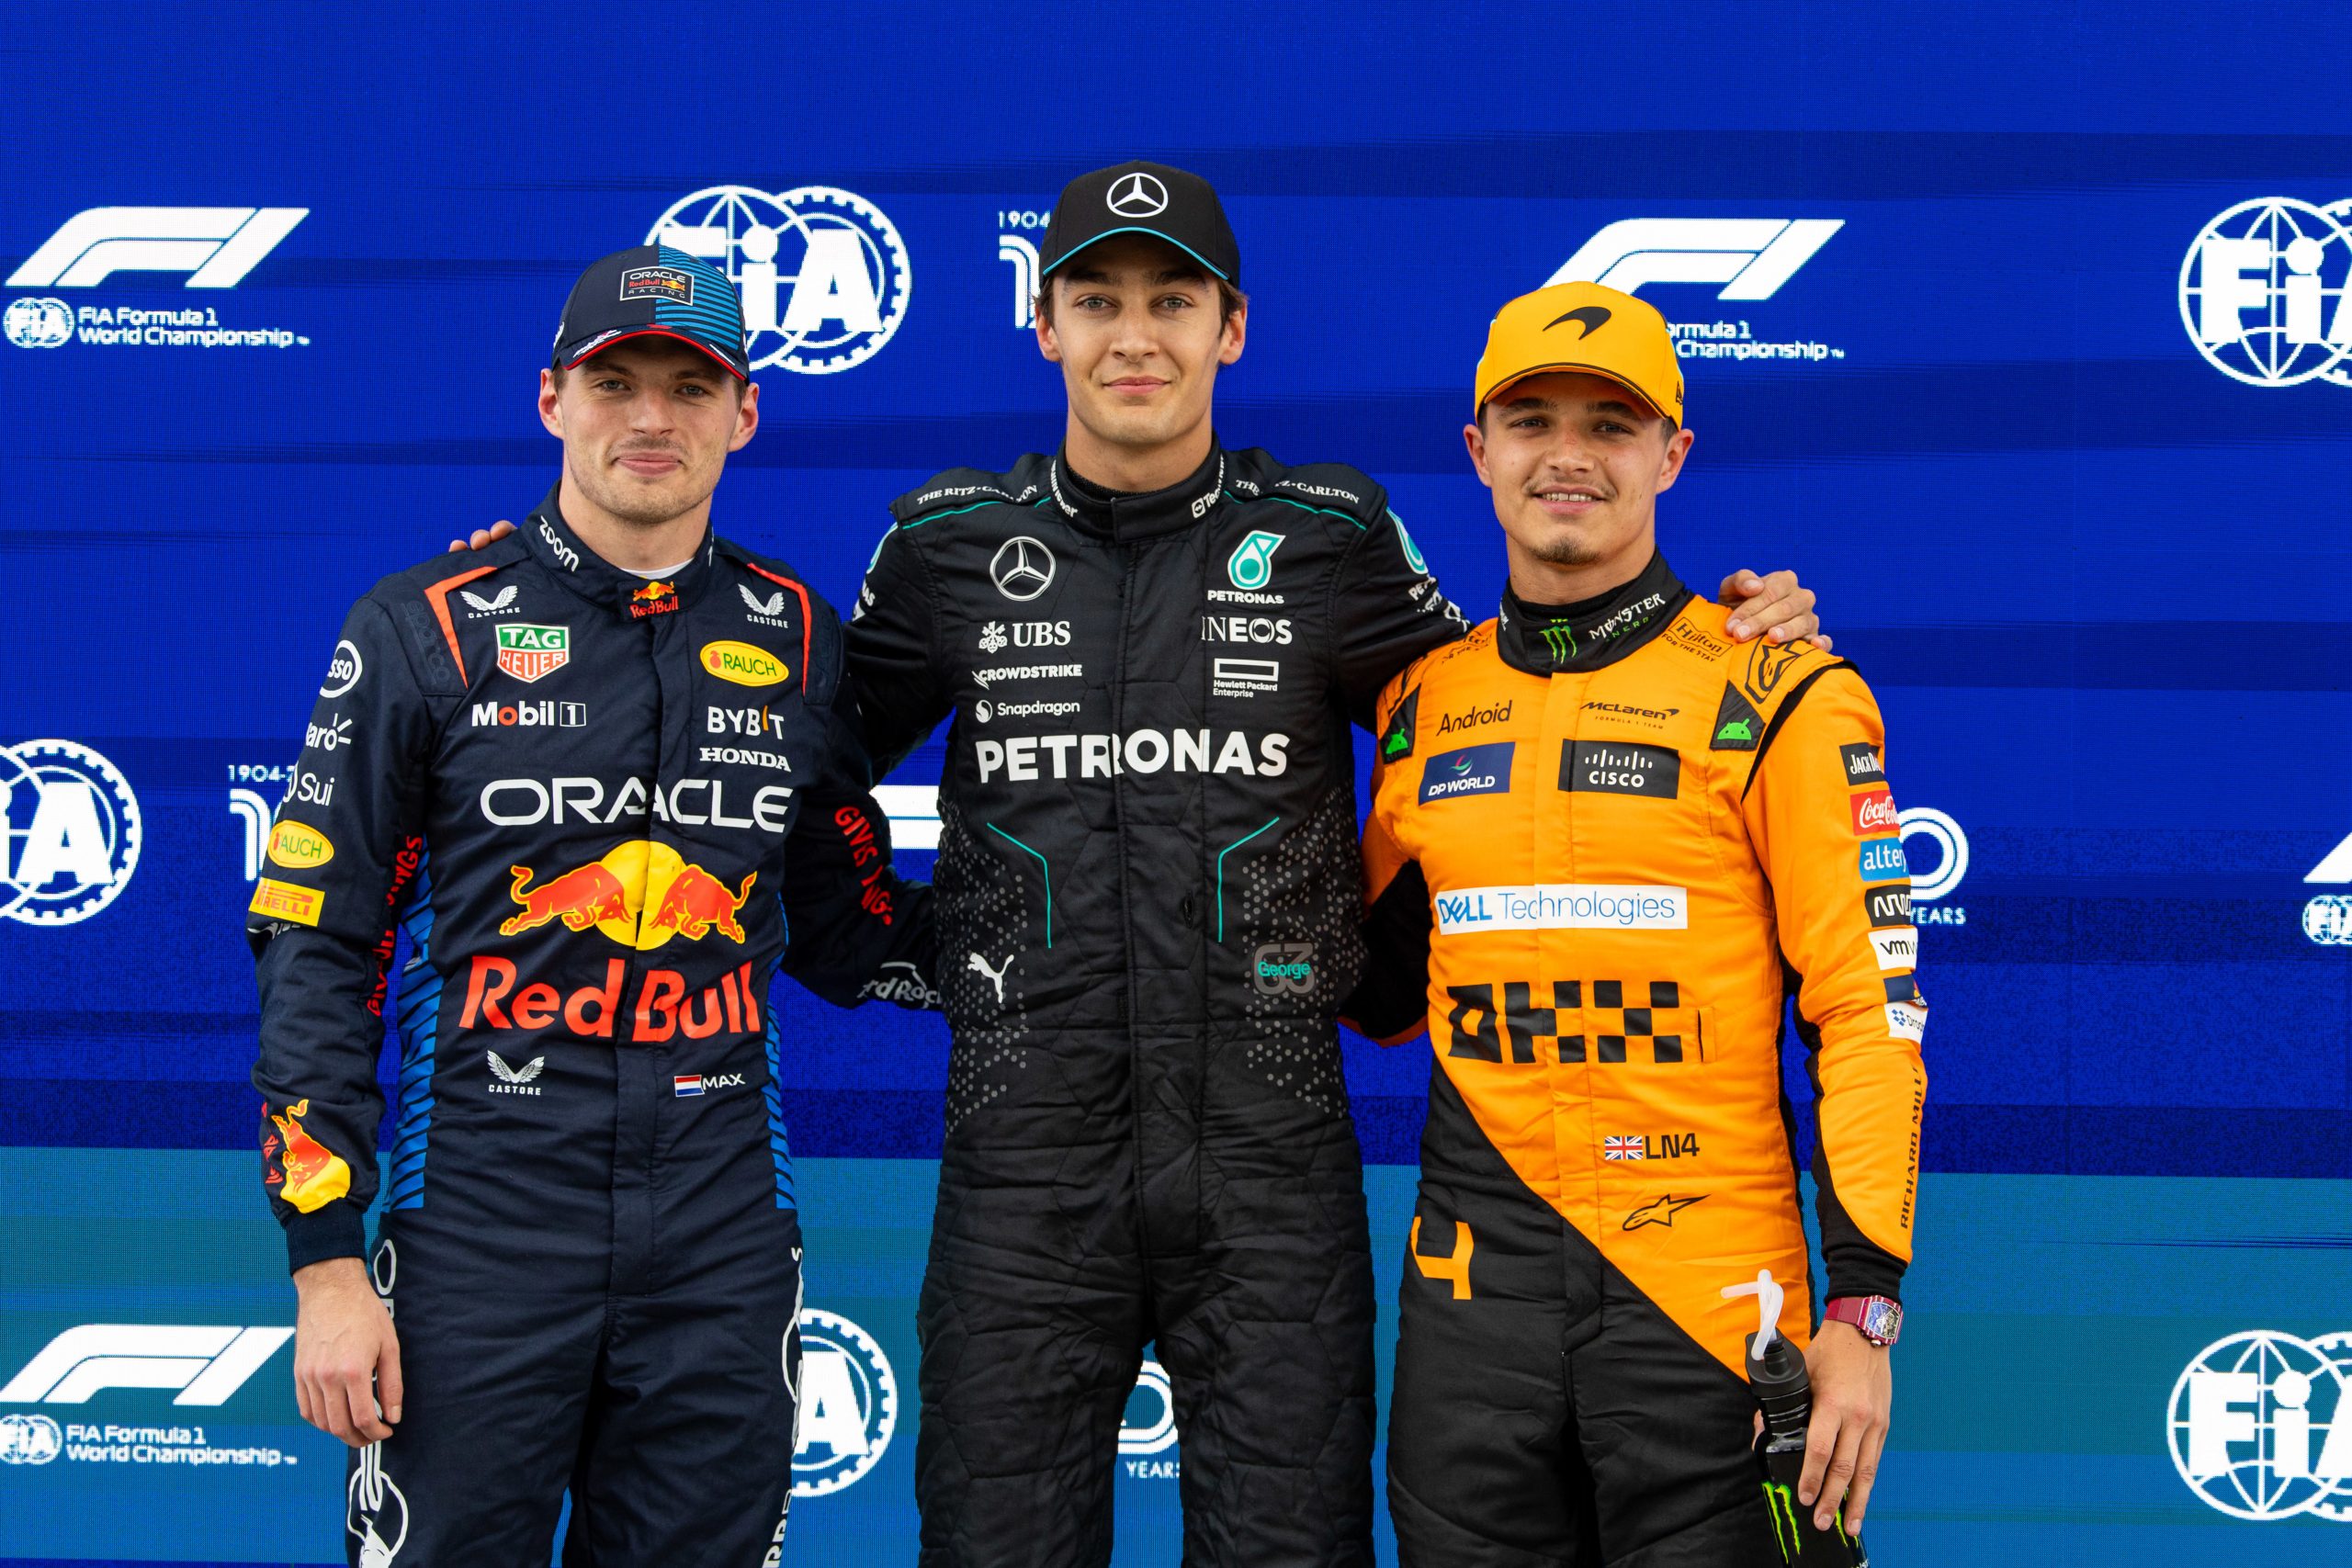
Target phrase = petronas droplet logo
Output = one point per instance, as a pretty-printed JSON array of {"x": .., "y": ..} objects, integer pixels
[{"x": 1251, "y": 565}]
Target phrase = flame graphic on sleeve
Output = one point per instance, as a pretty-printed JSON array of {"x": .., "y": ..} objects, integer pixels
[{"x": 314, "y": 1175}]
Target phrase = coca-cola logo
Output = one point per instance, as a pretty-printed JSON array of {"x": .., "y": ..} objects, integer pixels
[{"x": 1874, "y": 813}]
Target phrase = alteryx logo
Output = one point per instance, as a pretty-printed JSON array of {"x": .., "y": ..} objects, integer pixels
[
  {"x": 1884, "y": 861},
  {"x": 1473, "y": 770}
]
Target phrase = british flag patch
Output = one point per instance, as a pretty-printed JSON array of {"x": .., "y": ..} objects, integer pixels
[{"x": 1624, "y": 1148}]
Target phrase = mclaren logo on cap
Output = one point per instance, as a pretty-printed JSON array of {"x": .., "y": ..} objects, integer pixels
[
  {"x": 1138, "y": 195},
  {"x": 1592, "y": 318}
]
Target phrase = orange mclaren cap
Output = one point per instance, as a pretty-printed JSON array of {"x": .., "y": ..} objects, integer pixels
[{"x": 1583, "y": 327}]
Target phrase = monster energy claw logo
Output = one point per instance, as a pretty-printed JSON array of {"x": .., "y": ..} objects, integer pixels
[
  {"x": 1251, "y": 565},
  {"x": 1561, "y": 638}
]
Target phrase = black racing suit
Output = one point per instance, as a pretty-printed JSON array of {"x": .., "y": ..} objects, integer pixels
[
  {"x": 598, "y": 805},
  {"x": 1148, "y": 892}
]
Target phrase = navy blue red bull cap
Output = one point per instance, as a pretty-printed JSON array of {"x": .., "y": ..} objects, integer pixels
[{"x": 653, "y": 290}]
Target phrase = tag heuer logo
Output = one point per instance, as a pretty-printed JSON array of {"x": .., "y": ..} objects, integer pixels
[{"x": 529, "y": 652}]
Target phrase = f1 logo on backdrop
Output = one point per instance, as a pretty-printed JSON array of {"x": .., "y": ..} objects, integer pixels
[
  {"x": 2265, "y": 292},
  {"x": 2327, "y": 918},
  {"x": 823, "y": 273},
  {"x": 1751, "y": 258},
  {"x": 216, "y": 246},
  {"x": 206, "y": 1364}
]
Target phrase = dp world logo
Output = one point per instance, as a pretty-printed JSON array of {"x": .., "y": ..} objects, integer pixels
[
  {"x": 29, "y": 1439},
  {"x": 69, "y": 832},
  {"x": 849, "y": 1404},
  {"x": 38, "y": 321},
  {"x": 822, "y": 273},
  {"x": 2262, "y": 292},
  {"x": 2261, "y": 1425}
]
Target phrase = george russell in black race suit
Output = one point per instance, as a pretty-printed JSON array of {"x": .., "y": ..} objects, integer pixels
[
  {"x": 1148, "y": 895},
  {"x": 605, "y": 810}
]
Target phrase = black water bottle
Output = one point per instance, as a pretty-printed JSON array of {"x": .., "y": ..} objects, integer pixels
[{"x": 1776, "y": 1374}]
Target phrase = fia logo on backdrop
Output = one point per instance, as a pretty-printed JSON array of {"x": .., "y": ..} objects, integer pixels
[
  {"x": 823, "y": 273},
  {"x": 2264, "y": 292},
  {"x": 2260, "y": 1426}
]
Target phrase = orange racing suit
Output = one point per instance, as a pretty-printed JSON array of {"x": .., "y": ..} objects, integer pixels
[{"x": 1613, "y": 841}]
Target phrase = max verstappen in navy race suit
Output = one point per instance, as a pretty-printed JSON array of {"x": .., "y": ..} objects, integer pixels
[
  {"x": 605, "y": 805},
  {"x": 1149, "y": 900}
]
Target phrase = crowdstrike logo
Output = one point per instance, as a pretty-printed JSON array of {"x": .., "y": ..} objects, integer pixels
[
  {"x": 216, "y": 246},
  {"x": 1751, "y": 258},
  {"x": 205, "y": 1364}
]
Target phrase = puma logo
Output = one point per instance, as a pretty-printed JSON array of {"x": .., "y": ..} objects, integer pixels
[{"x": 979, "y": 966}]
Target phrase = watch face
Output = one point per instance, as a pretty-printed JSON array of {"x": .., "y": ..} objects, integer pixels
[{"x": 1881, "y": 1320}]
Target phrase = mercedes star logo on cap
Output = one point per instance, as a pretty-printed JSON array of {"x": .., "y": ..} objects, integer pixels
[
  {"x": 1021, "y": 568},
  {"x": 1138, "y": 196}
]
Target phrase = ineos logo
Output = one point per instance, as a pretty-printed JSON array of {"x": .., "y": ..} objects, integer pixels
[
  {"x": 1021, "y": 568},
  {"x": 1138, "y": 196}
]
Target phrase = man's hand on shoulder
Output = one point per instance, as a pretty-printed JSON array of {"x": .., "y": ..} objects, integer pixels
[
  {"x": 1777, "y": 607},
  {"x": 346, "y": 1358},
  {"x": 501, "y": 529},
  {"x": 1853, "y": 1400}
]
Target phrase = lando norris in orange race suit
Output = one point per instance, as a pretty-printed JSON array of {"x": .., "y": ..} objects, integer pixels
[{"x": 1613, "y": 840}]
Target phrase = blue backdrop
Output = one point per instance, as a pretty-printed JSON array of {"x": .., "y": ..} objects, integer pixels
[{"x": 2026, "y": 337}]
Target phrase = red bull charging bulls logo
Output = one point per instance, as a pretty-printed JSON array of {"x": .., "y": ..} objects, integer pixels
[{"x": 615, "y": 894}]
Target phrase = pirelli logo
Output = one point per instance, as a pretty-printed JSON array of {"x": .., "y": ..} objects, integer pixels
[{"x": 284, "y": 901}]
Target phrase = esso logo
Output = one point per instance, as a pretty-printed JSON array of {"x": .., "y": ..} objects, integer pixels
[
  {"x": 2261, "y": 1427},
  {"x": 849, "y": 1404},
  {"x": 1940, "y": 879}
]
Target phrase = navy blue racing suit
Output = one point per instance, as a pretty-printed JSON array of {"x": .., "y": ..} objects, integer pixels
[{"x": 606, "y": 810}]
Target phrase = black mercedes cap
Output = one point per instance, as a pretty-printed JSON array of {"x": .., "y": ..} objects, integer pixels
[
  {"x": 1143, "y": 199},
  {"x": 653, "y": 290}
]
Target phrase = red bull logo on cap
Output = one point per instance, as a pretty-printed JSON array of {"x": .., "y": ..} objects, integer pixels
[{"x": 614, "y": 895}]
